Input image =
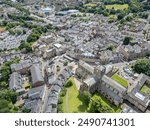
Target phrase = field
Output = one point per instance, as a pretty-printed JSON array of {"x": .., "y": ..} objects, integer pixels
[
  {"x": 90, "y": 5},
  {"x": 117, "y": 6},
  {"x": 120, "y": 80},
  {"x": 2, "y": 29},
  {"x": 72, "y": 102},
  {"x": 146, "y": 89}
]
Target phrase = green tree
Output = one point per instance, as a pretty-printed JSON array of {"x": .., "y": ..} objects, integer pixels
[
  {"x": 5, "y": 106},
  {"x": 68, "y": 84},
  {"x": 8, "y": 95},
  {"x": 97, "y": 106},
  {"x": 4, "y": 84},
  {"x": 127, "y": 40},
  {"x": 65, "y": 63},
  {"x": 86, "y": 96},
  {"x": 25, "y": 110},
  {"x": 142, "y": 66}
]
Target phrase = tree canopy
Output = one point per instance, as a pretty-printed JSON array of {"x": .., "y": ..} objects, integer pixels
[{"x": 142, "y": 66}]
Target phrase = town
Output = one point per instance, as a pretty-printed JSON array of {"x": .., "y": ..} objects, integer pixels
[{"x": 74, "y": 56}]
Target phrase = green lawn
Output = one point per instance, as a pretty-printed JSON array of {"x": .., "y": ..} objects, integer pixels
[
  {"x": 116, "y": 109},
  {"x": 75, "y": 102},
  {"x": 90, "y": 5},
  {"x": 117, "y": 6},
  {"x": 120, "y": 80},
  {"x": 146, "y": 89}
]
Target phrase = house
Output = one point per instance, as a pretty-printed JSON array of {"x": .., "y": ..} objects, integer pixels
[
  {"x": 35, "y": 99},
  {"x": 108, "y": 56},
  {"x": 21, "y": 67},
  {"x": 37, "y": 78},
  {"x": 52, "y": 102},
  {"x": 131, "y": 52},
  {"x": 15, "y": 81},
  {"x": 50, "y": 53}
]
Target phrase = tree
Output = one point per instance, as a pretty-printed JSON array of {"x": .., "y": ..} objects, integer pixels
[
  {"x": 18, "y": 32},
  {"x": 24, "y": 31},
  {"x": 63, "y": 92},
  {"x": 59, "y": 108},
  {"x": 97, "y": 106},
  {"x": 86, "y": 96},
  {"x": 65, "y": 63},
  {"x": 60, "y": 100},
  {"x": 5, "y": 71},
  {"x": 8, "y": 95},
  {"x": 142, "y": 66},
  {"x": 111, "y": 47},
  {"x": 127, "y": 40},
  {"x": 68, "y": 84},
  {"x": 25, "y": 110},
  {"x": 33, "y": 37},
  {"x": 3, "y": 84},
  {"x": 129, "y": 18},
  {"x": 5, "y": 106}
]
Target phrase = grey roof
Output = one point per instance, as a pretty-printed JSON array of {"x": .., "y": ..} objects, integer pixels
[
  {"x": 33, "y": 105},
  {"x": 113, "y": 84},
  {"x": 111, "y": 93},
  {"x": 36, "y": 74},
  {"x": 15, "y": 81},
  {"x": 21, "y": 65},
  {"x": 56, "y": 88},
  {"x": 34, "y": 100},
  {"x": 59, "y": 83},
  {"x": 86, "y": 66},
  {"x": 36, "y": 93},
  {"x": 53, "y": 100},
  {"x": 90, "y": 81},
  {"x": 51, "y": 79},
  {"x": 135, "y": 92}
]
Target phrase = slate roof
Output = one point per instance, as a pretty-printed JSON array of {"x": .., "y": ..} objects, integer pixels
[
  {"x": 36, "y": 74},
  {"x": 15, "y": 81}
]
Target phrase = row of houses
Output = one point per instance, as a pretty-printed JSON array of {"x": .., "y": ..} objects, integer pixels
[
  {"x": 131, "y": 52},
  {"x": 56, "y": 85},
  {"x": 35, "y": 99}
]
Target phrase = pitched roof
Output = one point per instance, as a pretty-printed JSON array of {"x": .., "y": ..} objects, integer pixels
[{"x": 36, "y": 73}]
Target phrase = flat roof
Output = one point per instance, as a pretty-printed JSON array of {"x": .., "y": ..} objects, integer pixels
[
  {"x": 57, "y": 45},
  {"x": 140, "y": 96}
]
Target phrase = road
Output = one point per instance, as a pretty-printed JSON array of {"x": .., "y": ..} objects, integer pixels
[{"x": 44, "y": 103}]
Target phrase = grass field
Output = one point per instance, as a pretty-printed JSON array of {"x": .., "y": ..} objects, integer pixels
[
  {"x": 90, "y": 5},
  {"x": 146, "y": 89},
  {"x": 75, "y": 102},
  {"x": 116, "y": 109},
  {"x": 120, "y": 80},
  {"x": 117, "y": 6},
  {"x": 2, "y": 29}
]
